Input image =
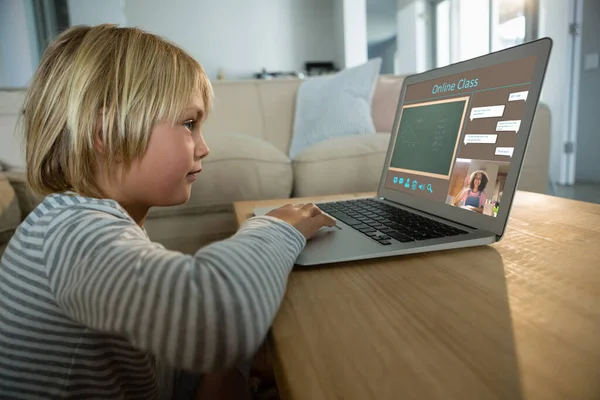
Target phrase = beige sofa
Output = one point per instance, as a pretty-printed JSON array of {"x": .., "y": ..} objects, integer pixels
[{"x": 249, "y": 132}]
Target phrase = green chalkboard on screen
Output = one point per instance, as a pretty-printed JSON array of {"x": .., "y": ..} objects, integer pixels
[{"x": 428, "y": 136}]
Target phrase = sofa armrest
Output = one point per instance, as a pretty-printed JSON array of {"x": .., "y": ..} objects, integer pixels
[{"x": 26, "y": 198}]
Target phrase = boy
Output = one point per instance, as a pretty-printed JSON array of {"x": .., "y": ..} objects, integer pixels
[{"x": 89, "y": 306}]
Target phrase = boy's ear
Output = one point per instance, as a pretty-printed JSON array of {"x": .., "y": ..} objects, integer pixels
[
  {"x": 99, "y": 142},
  {"x": 98, "y": 138}
]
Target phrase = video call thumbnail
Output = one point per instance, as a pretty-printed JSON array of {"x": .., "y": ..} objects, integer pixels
[{"x": 477, "y": 185}]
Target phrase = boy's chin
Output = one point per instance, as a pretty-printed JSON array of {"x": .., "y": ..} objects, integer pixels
[
  {"x": 176, "y": 199},
  {"x": 185, "y": 197}
]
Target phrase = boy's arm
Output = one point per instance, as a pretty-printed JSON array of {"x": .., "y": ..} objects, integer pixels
[{"x": 202, "y": 312}]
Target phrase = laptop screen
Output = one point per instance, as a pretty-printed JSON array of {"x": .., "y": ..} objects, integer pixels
[{"x": 456, "y": 136}]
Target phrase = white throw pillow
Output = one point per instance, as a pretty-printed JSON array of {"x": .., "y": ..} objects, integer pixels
[{"x": 335, "y": 105}]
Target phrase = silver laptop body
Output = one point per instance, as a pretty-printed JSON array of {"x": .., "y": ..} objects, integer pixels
[{"x": 455, "y": 126}]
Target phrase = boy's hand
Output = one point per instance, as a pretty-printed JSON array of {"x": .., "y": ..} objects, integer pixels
[{"x": 307, "y": 218}]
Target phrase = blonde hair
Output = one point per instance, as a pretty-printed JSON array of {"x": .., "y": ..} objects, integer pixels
[{"x": 120, "y": 81}]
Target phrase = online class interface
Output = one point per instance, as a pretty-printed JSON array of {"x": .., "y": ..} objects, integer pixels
[{"x": 457, "y": 135}]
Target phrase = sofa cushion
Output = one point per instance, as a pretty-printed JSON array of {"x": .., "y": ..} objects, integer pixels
[
  {"x": 334, "y": 106},
  {"x": 10, "y": 213},
  {"x": 341, "y": 165},
  {"x": 385, "y": 102},
  {"x": 263, "y": 108},
  {"x": 239, "y": 167}
]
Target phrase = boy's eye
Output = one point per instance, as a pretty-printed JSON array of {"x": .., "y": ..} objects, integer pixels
[{"x": 189, "y": 124}]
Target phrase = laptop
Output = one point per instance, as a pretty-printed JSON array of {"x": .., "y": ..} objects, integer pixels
[{"x": 452, "y": 165}]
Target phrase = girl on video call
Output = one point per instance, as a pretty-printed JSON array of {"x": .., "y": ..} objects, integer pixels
[{"x": 473, "y": 197}]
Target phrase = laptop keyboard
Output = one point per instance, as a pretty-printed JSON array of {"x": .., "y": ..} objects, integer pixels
[{"x": 384, "y": 223}]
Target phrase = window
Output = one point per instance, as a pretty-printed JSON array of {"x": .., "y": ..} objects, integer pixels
[
  {"x": 464, "y": 29},
  {"x": 473, "y": 29},
  {"x": 507, "y": 23}
]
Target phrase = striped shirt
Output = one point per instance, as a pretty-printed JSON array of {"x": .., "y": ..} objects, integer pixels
[{"x": 91, "y": 308}]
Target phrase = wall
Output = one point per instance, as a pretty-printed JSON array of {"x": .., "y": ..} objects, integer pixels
[
  {"x": 587, "y": 162},
  {"x": 385, "y": 49},
  {"x": 381, "y": 25},
  {"x": 350, "y": 32},
  {"x": 2, "y": 67},
  {"x": 381, "y": 32},
  {"x": 241, "y": 36},
  {"x": 338, "y": 33},
  {"x": 355, "y": 32},
  {"x": 412, "y": 50},
  {"x": 236, "y": 35},
  {"x": 18, "y": 47},
  {"x": 227, "y": 34},
  {"x": 94, "y": 12},
  {"x": 10, "y": 141},
  {"x": 17, "y": 44}
]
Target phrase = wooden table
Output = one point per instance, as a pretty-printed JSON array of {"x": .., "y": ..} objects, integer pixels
[{"x": 516, "y": 320}]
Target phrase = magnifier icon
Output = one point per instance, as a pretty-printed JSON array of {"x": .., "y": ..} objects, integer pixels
[{"x": 429, "y": 188}]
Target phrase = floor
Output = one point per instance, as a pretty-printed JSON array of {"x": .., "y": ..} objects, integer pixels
[{"x": 589, "y": 192}]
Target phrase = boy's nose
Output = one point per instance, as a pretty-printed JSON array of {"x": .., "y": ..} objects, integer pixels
[{"x": 202, "y": 150}]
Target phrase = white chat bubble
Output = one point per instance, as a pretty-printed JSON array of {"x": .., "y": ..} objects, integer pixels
[
  {"x": 505, "y": 151},
  {"x": 487, "y": 112},
  {"x": 508, "y": 126},
  {"x": 480, "y": 138},
  {"x": 518, "y": 96}
]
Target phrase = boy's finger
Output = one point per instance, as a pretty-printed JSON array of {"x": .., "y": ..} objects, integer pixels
[
  {"x": 312, "y": 210},
  {"x": 325, "y": 220}
]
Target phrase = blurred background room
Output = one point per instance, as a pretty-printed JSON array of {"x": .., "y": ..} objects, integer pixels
[{"x": 295, "y": 39}]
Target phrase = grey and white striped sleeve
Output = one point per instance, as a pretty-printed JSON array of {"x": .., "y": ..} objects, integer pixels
[{"x": 203, "y": 312}]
